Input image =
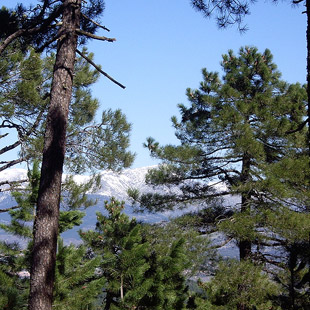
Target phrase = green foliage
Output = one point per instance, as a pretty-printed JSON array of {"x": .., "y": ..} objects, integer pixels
[
  {"x": 119, "y": 242},
  {"x": 78, "y": 281},
  {"x": 241, "y": 285},
  {"x": 258, "y": 114},
  {"x": 242, "y": 135},
  {"x": 138, "y": 273},
  {"x": 254, "y": 110},
  {"x": 200, "y": 256},
  {"x": 23, "y": 217},
  {"x": 25, "y": 81},
  {"x": 13, "y": 288}
]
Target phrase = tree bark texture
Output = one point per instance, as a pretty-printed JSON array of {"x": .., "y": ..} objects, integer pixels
[{"x": 47, "y": 214}]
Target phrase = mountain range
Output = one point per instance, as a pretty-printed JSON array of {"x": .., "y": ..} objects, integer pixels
[{"x": 112, "y": 185}]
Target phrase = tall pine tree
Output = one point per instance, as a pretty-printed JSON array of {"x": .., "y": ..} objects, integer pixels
[{"x": 234, "y": 138}]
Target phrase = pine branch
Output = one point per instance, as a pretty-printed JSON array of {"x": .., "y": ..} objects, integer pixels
[
  {"x": 218, "y": 246},
  {"x": 94, "y": 22},
  {"x": 13, "y": 182},
  {"x": 47, "y": 43},
  {"x": 93, "y": 36},
  {"x": 299, "y": 128},
  {"x": 9, "y": 209},
  {"x": 99, "y": 69},
  {"x": 28, "y": 32},
  {"x": 4, "y": 135},
  {"x": 9, "y": 147},
  {"x": 12, "y": 163},
  {"x": 23, "y": 136}
]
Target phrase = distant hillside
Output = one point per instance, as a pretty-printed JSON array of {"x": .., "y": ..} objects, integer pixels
[{"x": 112, "y": 184}]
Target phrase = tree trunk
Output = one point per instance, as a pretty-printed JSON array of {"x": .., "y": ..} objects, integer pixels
[
  {"x": 308, "y": 71},
  {"x": 245, "y": 245},
  {"x": 43, "y": 257}
]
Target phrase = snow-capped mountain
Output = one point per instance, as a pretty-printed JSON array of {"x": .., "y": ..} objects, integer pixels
[{"x": 112, "y": 185}]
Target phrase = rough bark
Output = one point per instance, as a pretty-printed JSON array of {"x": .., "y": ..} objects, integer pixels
[{"x": 46, "y": 223}]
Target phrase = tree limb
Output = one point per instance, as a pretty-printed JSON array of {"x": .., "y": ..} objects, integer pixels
[
  {"x": 99, "y": 69},
  {"x": 299, "y": 128},
  {"x": 13, "y": 182},
  {"x": 27, "y": 32},
  {"x": 94, "y": 22},
  {"x": 28, "y": 133},
  {"x": 12, "y": 163},
  {"x": 9, "y": 209},
  {"x": 93, "y": 36}
]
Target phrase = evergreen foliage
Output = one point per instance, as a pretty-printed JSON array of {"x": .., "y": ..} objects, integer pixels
[
  {"x": 226, "y": 12},
  {"x": 241, "y": 285},
  {"x": 25, "y": 81},
  {"x": 241, "y": 136},
  {"x": 78, "y": 282},
  {"x": 136, "y": 274},
  {"x": 234, "y": 137}
]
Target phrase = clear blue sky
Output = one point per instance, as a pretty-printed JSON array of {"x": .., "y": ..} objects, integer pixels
[{"x": 161, "y": 47}]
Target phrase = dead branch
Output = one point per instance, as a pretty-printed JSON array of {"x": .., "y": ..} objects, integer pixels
[
  {"x": 94, "y": 22},
  {"x": 4, "y": 135},
  {"x": 9, "y": 209},
  {"x": 12, "y": 163},
  {"x": 93, "y": 36},
  {"x": 27, "y": 134},
  {"x": 10, "y": 147},
  {"x": 217, "y": 246},
  {"x": 13, "y": 182},
  {"x": 99, "y": 69},
  {"x": 47, "y": 43}
]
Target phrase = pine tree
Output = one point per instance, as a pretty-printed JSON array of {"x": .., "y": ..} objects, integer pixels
[
  {"x": 90, "y": 145},
  {"x": 240, "y": 285},
  {"x": 37, "y": 29},
  {"x": 119, "y": 242},
  {"x": 235, "y": 132},
  {"x": 76, "y": 281},
  {"x": 137, "y": 276},
  {"x": 233, "y": 12}
]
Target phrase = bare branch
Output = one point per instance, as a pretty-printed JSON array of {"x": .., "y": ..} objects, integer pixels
[
  {"x": 99, "y": 69},
  {"x": 11, "y": 38},
  {"x": 218, "y": 246},
  {"x": 28, "y": 133},
  {"x": 9, "y": 209},
  {"x": 10, "y": 147},
  {"x": 13, "y": 162},
  {"x": 94, "y": 22},
  {"x": 47, "y": 43},
  {"x": 13, "y": 182},
  {"x": 4, "y": 135},
  {"x": 93, "y": 36}
]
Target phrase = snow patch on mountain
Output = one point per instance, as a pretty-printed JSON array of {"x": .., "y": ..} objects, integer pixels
[{"x": 112, "y": 183}]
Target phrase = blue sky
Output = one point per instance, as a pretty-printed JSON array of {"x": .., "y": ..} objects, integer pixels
[{"x": 161, "y": 47}]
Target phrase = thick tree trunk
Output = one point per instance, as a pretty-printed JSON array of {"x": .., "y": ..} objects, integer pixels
[{"x": 46, "y": 223}]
